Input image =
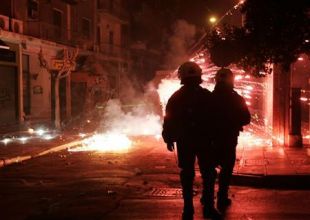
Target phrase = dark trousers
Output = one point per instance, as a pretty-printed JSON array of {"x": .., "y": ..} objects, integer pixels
[
  {"x": 226, "y": 157},
  {"x": 188, "y": 151}
]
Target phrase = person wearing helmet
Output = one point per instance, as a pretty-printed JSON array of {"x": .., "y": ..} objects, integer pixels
[
  {"x": 230, "y": 113},
  {"x": 185, "y": 123}
]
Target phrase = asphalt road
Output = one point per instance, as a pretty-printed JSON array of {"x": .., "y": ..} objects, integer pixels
[{"x": 140, "y": 184}]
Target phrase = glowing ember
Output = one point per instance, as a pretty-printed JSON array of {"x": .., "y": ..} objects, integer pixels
[
  {"x": 110, "y": 142},
  {"x": 82, "y": 135},
  {"x": 40, "y": 132},
  {"x": 23, "y": 139},
  {"x": 48, "y": 137},
  {"x": 248, "y": 139}
]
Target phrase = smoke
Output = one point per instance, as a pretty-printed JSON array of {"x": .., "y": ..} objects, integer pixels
[
  {"x": 136, "y": 120},
  {"x": 166, "y": 88},
  {"x": 183, "y": 37},
  {"x": 130, "y": 90}
]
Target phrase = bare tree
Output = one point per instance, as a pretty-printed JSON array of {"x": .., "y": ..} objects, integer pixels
[{"x": 69, "y": 62}]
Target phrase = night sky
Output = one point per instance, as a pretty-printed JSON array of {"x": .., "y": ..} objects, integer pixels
[
  {"x": 153, "y": 20},
  {"x": 197, "y": 11}
]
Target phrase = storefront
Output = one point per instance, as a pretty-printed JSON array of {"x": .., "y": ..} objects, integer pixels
[{"x": 10, "y": 99}]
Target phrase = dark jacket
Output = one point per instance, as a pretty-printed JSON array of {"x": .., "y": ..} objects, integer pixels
[
  {"x": 230, "y": 112},
  {"x": 187, "y": 113}
]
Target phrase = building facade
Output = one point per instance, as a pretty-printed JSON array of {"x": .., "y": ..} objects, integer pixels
[{"x": 34, "y": 35}]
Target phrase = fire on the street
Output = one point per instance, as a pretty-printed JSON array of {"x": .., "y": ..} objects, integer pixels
[
  {"x": 258, "y": 134},
  {"x": 139, "y": 122},
  {"x": 110, "y": 142},
  {"x": 256, "y": 92}
]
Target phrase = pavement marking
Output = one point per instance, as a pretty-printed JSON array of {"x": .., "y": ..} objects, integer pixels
[{"x": 164, "y": 192}]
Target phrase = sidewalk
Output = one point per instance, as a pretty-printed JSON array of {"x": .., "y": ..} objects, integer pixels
[{"x": 273, "y": 167}]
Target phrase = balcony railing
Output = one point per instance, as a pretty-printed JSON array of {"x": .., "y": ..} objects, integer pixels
[
  {"x": 57, "y": 34},
  {"x": 114, "y": 51},
  {"x": 71, "y": 2},
  {"x": 115, "y": 10},
  {"x": 47, "y": 31}
]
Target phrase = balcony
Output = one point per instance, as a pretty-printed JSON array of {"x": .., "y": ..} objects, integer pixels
[
  {"x": 115, "y": 10},
  {"x": 47, "y": 31},
  {"x": 71, "y": 2},
  {"x": 114, "y": 51}
]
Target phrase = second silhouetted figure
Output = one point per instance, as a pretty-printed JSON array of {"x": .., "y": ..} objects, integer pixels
[
  {"x": 230, "y": 114},
  {"x": 186, "y": 123}
]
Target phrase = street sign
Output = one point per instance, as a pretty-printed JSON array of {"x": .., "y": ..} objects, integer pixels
[{"x": 57, "y": 64}]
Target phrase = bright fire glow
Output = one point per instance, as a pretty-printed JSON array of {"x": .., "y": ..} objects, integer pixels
[
  {"x": 254, "y": 90},
  {"x": 109, "y": 142},
  {"x": 23, "y": 139},
  {"x": 118, "y": 125},
  {"x": 166, "y": 88},
  {"x": 40, "y": 131}
]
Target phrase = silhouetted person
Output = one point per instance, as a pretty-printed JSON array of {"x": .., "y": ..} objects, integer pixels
[
  {"x": 230, "y": 114},
  {"x": 185, "y": 123}
]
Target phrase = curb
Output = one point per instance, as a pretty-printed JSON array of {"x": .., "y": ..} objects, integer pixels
[
  {"x": 19, "y": 159},
  {"x": 272, "y": 181}
]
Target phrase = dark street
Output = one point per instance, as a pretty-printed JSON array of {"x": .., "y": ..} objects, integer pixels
[
  {"x": 154, "y": 109},
  {"x": 140, "y": 184}
]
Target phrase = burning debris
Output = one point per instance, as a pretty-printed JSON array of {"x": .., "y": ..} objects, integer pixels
[
  {"x": 109, "y": 142},
  {"x": 118, "y": 125},
  {"x": 122, "y": 122}
]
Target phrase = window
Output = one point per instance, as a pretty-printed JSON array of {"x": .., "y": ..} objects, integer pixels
[
  {"x": 111, "y": 37},
  {"x": 33, "y": 9},
  {"x": 26, "y": 85},
  {"x": 57, "y": 18},
  {"x": 99, "y": 4},
  {"x": 98, "y": 35},
  {"x": 86, "y": 27},
  {"x": 57, "y": 22},
  {"x": 111, "y": 5}
]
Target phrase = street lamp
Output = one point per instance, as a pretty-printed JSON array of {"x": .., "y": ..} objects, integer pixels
[{"x": 212, "y": 19}]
